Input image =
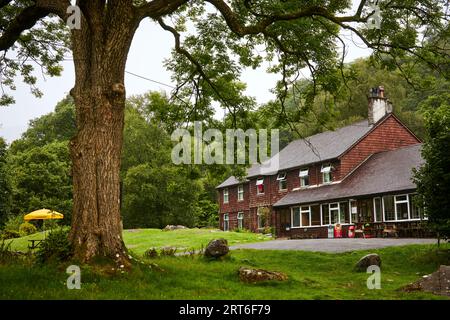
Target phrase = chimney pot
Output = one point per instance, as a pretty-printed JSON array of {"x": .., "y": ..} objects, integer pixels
[{"x": 379, "y": 105}]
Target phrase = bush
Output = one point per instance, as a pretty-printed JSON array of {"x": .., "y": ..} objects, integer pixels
[
  {"x": 9, "y": 234},
  {"x": 151, "y": 253},
  {"x": 56, "y": 247},
  {"x": 13, "y": 223},
  {"x": 26, "y": 229}
]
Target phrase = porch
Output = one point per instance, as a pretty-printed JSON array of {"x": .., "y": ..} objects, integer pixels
[{"x": 381, "y": 216}]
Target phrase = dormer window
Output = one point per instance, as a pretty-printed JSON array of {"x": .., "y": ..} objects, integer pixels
[
  {"x": 326, "y": 173},
  {"x": 225, "y": 195},
  {"x": 260, "y": 186},
  {"x": 282, "y": 181},
  {"x": 304, "y": 177}
]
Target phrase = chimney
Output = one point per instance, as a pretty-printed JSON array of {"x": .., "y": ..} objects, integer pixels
[{"x": 379, "y": 105}]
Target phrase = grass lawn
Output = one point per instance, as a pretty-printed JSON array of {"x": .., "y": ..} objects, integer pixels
[
  {"x": 139, "y": 240},
  {"x": 311, "y": 276}
]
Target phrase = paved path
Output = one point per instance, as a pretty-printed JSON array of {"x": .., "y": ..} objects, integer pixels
[{"x": 332, "y": 245}]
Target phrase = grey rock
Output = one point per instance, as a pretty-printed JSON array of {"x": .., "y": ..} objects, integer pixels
[
  {"x": 217, "y": 248},
  {"x": 367, "y": 261}
]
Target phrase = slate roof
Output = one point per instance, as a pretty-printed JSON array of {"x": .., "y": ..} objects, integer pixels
[
  {"x": 384, "y": 172},
  {"x": 320, "y": 147}
]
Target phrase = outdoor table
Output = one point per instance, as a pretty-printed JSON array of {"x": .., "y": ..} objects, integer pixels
[{"x": 34, "y": 243}]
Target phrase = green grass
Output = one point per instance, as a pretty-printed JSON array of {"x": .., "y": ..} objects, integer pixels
[
  {"x": 311, "y": 275},
  {"x": 139, "y": 240}
]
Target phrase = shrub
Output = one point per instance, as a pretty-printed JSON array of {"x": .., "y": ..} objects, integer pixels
[
  {"x": 151, "y": 253},
  {"x": 13, "y": 223},
  {"x": 168, "y": 251},
  {"x": 56, "y": 247},
  {"x": 26, "y": 229},
  {"x": 9, "y": 234}
]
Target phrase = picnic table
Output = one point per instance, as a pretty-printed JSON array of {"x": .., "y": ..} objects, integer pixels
[{"x": 34, "y": 243}]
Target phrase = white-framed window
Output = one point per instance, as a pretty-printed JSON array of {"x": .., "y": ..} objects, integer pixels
[
  {"x": 325, "y": 214},
  {"x": 261, "y": 217},
  {"x": 260, "y": 186},
  {"x": 389, "y": 208},
  {"x": 326, "y": 173},
  {"x": 353, "y": 211},
  {"x": 304, "y": 177},
  {"x": 240, "y": 220},
  {"x": 378, "y": 209},
  {"x": 225, "y": 196},
  {"x": 334, "y": 213},
  {"x": 240, "y": 192},
  {"x": 338, "y": 212},
  {"x": 226, "y": 222},
  {"x": 282, "y": 181},
  {"x": 301, "y": 217},
  {"x": 402, "y": 207}
]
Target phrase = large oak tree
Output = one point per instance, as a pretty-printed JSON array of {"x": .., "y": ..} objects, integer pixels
[{"x": 227, "y": 36}]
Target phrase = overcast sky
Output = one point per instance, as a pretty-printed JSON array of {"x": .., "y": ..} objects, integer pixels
[{"x": 150, "y": 47}]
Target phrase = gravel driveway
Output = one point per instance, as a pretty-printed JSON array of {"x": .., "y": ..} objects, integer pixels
[{"x": 332, "y": 245}]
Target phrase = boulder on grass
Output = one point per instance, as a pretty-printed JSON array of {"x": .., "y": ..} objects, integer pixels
[
  {"x": 367, "y": 261},
  {"x": 436, "y": 283},
  {"x": 217, "y": 248},
  {"x": 256, "y": 275}
]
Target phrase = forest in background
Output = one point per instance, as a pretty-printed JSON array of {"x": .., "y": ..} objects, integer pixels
[{"x": 35, "y": 170}]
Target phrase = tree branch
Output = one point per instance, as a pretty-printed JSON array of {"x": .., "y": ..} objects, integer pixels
[
  {"x": 159, "y": 8},
  {"x": 28, "y": 17}
]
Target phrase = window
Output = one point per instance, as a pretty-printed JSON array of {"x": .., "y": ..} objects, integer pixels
[
  {"x": 306, "y": 216},
  {"x": 401, "y": 207},
  {"x": 261, "y": 217},
  {"x": 240, "y": 193},
  {"x": 325, "y": 214},
  {"x": 225, "y": 196},
  {"x": 315, "y": 215},
  {"x": 378, "y": 208},
  {"x": 260, "y": 186},
  {"x": 344, "y": 214},
  {"x": 304, "y": 177},
  {"x": 326, "y": 173},
  {"x": 226, "y": 222},
  {"x": 300, "y": 217},
  {"x": 295, "y": 217},
  {"x": 416, "y": 212},
  {"x": 282, "y": 181},
  {"x": 354, "y": 210},
  {"x": 240, "y": 219},
  {"x": 389, "y": 208},
  {"x": 334, "y": 213}
]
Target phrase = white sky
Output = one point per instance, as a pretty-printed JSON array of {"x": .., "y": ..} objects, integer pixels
[{"x": 150, "y": 47}]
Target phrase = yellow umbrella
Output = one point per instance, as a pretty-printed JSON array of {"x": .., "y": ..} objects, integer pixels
[{"x": 43, "y": 214}]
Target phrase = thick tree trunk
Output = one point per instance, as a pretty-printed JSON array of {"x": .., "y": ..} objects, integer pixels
[
  {"x": 100, "y": 49},
  {"x": 95, "y": 151}
]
